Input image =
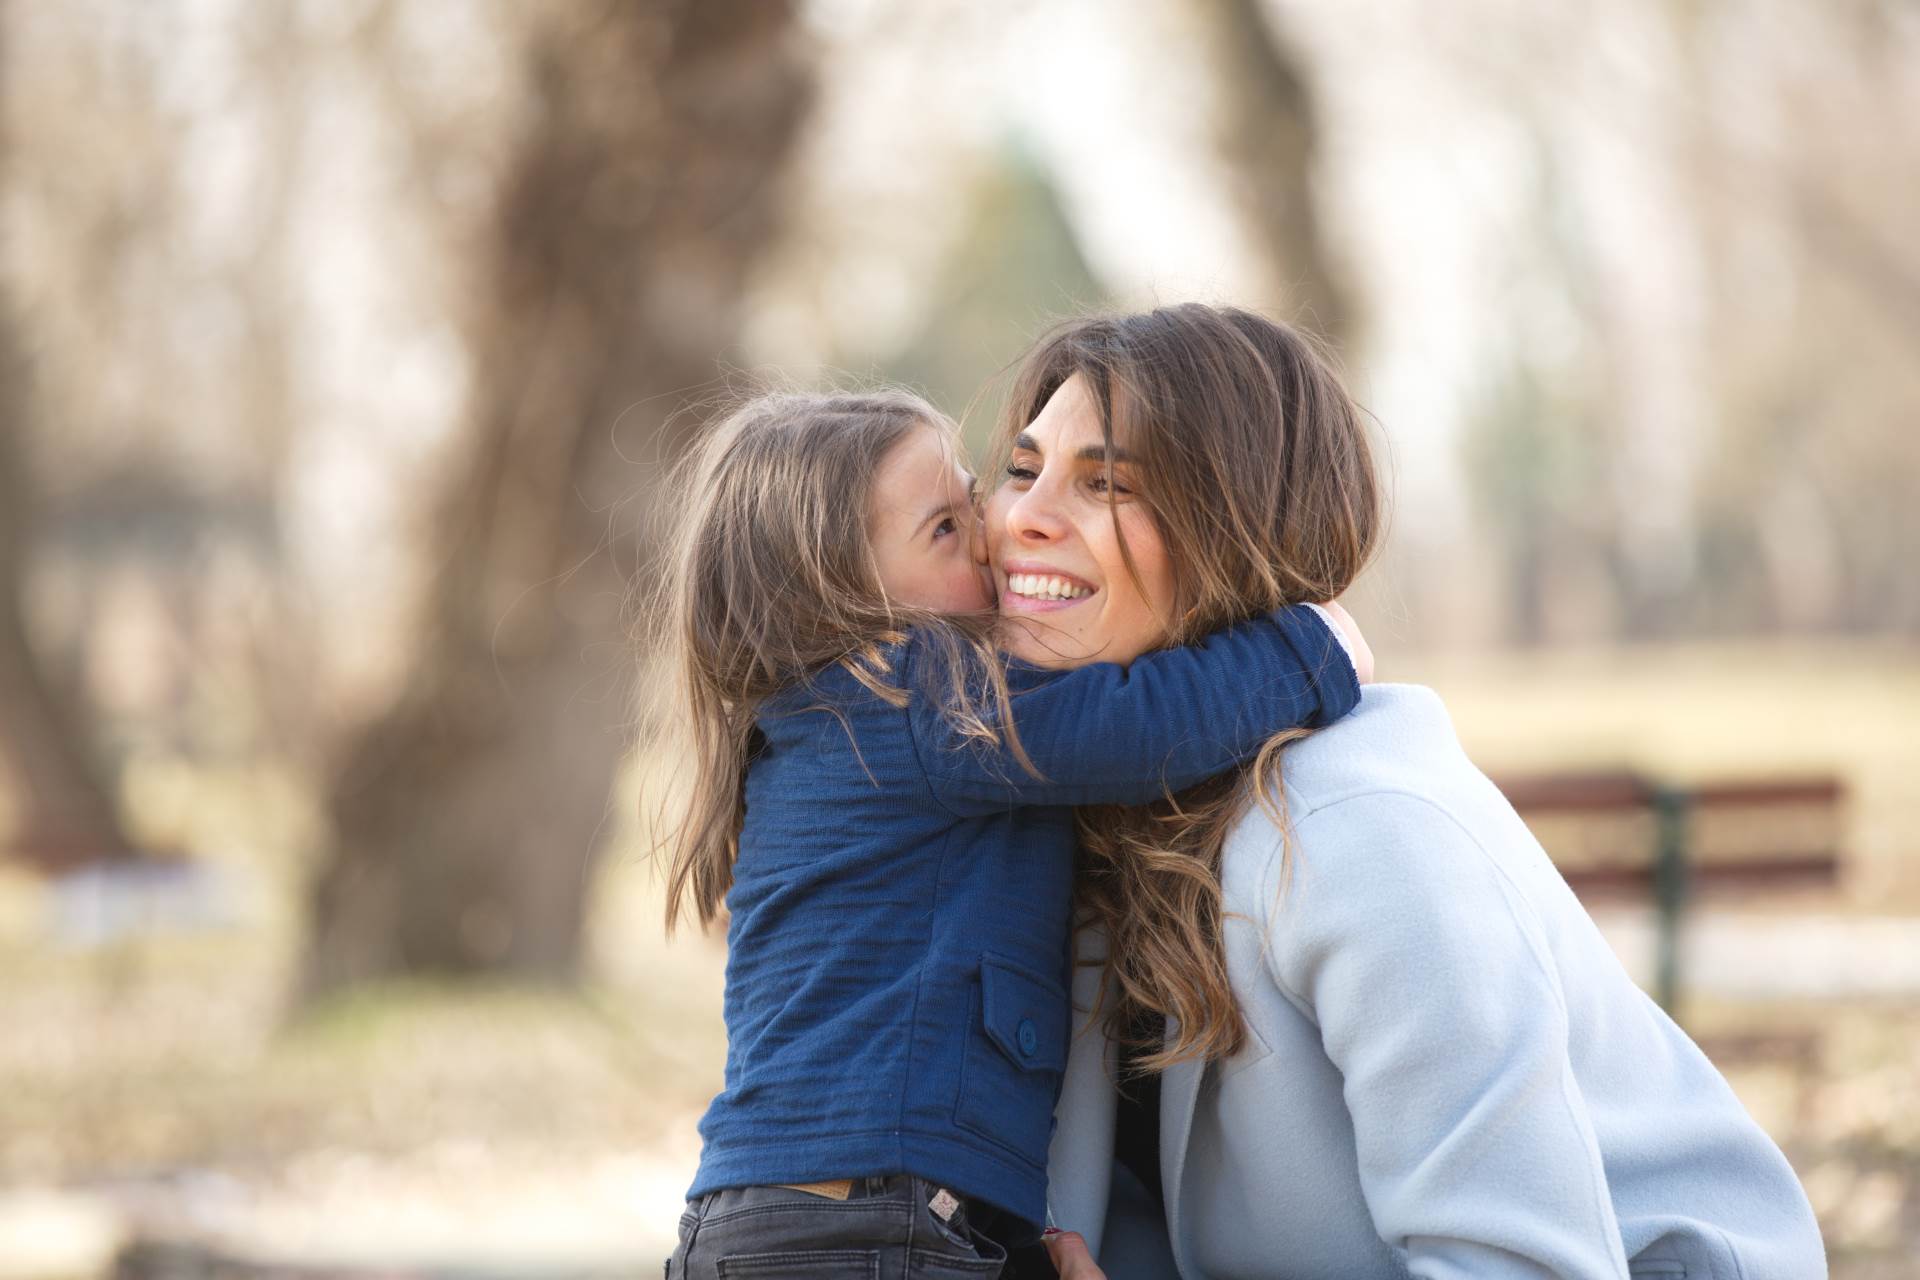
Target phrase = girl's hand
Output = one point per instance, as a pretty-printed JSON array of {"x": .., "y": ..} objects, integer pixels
[
  {"x": 1356, "y": 643},
  {"x": 1070, "y": 1256}
]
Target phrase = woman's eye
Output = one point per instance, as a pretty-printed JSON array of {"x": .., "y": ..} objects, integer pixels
[
  {"x": 1018, "y": 472},
  {"x": 1099, "y": 484}
]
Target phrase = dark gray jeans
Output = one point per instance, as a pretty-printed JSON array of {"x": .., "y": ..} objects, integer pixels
[{"x": 884, "y": 1230}]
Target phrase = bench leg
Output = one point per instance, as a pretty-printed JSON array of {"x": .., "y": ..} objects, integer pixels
[{"x": 1669, "y": 894}]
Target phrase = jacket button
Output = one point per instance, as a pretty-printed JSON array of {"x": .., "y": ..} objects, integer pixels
[{"x": 1029, "y": 1038}]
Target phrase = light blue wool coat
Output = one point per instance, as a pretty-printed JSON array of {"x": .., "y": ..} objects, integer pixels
[{"x": 1447, "y": 1073}]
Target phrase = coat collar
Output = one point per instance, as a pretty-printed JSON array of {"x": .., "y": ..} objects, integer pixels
[
  {"x": 1179, "y": 1091},
  {"x": 1080, "y": 1160}
]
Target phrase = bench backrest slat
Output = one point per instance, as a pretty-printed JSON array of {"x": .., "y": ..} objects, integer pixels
[{"x": 1603, "y": 829}]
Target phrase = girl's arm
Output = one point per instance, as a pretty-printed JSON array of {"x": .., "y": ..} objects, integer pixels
[
  {"x": 1439, "y": 1001},
  {"x": 1106, "y": 734}
]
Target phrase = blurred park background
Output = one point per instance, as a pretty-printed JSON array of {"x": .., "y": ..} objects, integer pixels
[{"x": 341, "y": 344}]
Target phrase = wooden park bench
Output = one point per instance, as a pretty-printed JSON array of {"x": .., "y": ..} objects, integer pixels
[{"x": 1619, "y": 835}]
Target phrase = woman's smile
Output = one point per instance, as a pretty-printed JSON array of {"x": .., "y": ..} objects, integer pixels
[{"x": 1038, "y": 588}]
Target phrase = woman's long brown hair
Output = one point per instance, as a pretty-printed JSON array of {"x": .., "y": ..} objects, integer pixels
[
  {"x": 769, "y": 580},
  {"x": 1255, "y": 465}
]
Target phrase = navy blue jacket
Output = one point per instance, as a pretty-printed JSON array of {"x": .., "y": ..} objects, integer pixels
[{"x": 898, "y": 966}]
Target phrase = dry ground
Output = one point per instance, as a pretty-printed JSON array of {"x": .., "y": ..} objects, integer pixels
[{"x": 158, "y": 1086}]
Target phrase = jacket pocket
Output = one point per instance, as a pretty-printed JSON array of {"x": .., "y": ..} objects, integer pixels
[{"x": 1017, "y": 1028}]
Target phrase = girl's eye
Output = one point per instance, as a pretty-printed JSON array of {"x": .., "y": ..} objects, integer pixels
[{"x": 945, "y": 527}]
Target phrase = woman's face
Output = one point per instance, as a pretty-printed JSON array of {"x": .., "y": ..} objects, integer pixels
[{"x": 1066, "y": 598}]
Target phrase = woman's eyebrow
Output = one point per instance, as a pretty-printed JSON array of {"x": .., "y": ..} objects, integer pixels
[{"x": 1088, "y": 453}]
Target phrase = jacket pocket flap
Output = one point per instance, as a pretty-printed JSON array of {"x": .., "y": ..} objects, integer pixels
[{"x": 1025, "y": 1015}]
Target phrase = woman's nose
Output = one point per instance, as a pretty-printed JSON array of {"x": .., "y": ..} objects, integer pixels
[{"x": 1033, "y": 516}]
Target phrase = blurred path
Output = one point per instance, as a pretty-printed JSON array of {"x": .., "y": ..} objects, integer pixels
[{"x": 355, "y": 1217}]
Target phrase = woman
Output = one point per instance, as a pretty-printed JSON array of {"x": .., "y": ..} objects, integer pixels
[{"x": 1393, "y": 1043}]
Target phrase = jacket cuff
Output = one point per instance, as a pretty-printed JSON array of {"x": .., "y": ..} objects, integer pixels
[
  {"x": 1316, "y": 639},
  {"x": 1346, "y": 648}
]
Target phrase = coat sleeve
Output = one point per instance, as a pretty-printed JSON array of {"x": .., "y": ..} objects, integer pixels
[
  {"x": 1438, "y": 999},
  {"x": 1107, "y": 734}
]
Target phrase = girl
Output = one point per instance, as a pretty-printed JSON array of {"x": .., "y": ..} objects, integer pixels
[{"x": 895, "y": 858}]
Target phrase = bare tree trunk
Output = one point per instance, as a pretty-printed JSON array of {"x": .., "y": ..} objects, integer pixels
[
  {"x": 1266, "y": 134},
  {"x": 69, "y": 814},
  {"x": 466, "y": 818}
]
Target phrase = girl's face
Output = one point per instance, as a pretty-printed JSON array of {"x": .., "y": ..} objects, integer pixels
[
  {"x": 922, "y": 525},
  {"x": 1066, "y": 597}
]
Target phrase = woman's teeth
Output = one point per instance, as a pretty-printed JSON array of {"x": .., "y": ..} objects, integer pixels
[{"x": 1044, "y": 587}]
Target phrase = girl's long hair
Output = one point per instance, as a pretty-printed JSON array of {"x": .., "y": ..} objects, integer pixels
[
  {"x": 1256, "y": 468},
  {"x": 769, "y": 580}
]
